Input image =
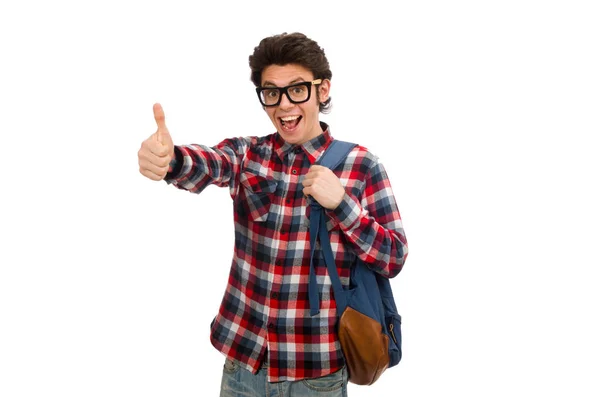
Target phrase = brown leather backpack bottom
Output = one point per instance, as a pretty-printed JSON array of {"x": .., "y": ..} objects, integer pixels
[{"x": 365, "y": 347}]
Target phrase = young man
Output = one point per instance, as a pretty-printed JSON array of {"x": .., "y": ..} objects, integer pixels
[{"x": 264, "y": 328}]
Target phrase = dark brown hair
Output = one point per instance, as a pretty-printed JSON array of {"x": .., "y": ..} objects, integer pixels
[{"x": 292, "y": 48}]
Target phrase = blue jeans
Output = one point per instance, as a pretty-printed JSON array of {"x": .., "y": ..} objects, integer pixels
[{"x": 238, "y": 382}]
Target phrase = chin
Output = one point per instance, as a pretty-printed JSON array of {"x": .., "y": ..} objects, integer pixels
[{"x": 292, "y": 138}]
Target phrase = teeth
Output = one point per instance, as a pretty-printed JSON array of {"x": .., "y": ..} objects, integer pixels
[{"x": 289, "y": 118}]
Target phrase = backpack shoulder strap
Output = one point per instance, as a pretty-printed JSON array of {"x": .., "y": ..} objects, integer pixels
[{"x": 335, "y": 154}]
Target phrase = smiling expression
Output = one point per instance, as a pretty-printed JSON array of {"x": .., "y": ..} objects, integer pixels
[{"x": 296, "y": 122}]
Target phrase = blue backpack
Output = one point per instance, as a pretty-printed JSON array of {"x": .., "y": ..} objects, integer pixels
[{"x": 368, "y": 320}]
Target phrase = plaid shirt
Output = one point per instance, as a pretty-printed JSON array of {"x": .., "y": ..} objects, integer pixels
[{"x": 264, "y": 315}]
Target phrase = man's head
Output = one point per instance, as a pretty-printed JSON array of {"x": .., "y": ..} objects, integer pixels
[{"x": 292, "y": 60}]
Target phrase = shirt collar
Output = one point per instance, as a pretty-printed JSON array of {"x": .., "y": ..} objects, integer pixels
[{"x": 313, "y": 148}]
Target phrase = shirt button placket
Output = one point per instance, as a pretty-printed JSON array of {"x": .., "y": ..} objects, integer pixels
[{"x": 274, "y": 293}]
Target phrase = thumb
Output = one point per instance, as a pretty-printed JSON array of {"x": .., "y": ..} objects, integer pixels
[{"x": 162, "y": 132}]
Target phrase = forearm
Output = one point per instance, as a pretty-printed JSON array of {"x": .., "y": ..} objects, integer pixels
[
  {"x": 194, "y": 167},
  {"x": 373, "y": 225},
  {"x": 382, "y": 246}
]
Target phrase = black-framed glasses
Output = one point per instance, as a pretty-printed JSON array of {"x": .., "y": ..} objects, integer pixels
[{"x": 296, "y": 93}]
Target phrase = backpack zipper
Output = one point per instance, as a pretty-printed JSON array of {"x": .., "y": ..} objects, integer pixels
[{"x": 392, "y": 333}]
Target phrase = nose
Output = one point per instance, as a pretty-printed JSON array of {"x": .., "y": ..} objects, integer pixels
[{"x": 285, "y": 103}]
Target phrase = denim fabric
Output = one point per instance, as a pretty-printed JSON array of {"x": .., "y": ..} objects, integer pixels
[{"x": 239, "y": 382}]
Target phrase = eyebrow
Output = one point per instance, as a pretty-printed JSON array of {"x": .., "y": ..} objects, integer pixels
[{"x": 297, "y": 80}]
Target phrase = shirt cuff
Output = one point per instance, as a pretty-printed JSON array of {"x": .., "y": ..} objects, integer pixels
[
  {"x": 347, "y": 214},
  {"x": 175, "y": 165}
]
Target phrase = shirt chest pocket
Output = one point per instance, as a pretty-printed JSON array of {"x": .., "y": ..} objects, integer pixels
[{"x": 255, "y": 195}]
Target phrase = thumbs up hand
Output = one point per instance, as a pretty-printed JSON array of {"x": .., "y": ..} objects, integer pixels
[{"x": 157, "y": 151}]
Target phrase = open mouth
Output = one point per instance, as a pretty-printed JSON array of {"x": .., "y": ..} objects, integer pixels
[{"x": 289, "y": 123}]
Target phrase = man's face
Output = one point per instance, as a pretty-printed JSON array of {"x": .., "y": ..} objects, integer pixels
[{"x": 296, "y": 122}]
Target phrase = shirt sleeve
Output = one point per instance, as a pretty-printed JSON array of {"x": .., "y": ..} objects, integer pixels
[
  {"x": 373, "y": 225},
  {"x": 194, "y": 167}
]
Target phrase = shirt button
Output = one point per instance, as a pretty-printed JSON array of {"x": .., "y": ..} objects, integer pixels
[
  {"x": 274, "y": 295},
  {"x": 294, "y": 171},
  {"x": 288, "y": 201},
  {"x": 297, "y": 150},
  {"x": 271, "y": 326}
]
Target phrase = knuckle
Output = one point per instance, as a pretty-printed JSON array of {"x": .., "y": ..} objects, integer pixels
[
  {"x": 142, "y": 153},
  {"x": 146, "y": 142}
]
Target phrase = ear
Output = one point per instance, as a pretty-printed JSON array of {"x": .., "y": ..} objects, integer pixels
[{"x": 323, "y": 90}]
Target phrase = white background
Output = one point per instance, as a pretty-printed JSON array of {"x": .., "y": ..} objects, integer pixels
[{"x": 484, "y": 114}]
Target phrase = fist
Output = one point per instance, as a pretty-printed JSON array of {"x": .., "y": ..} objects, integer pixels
[
  {"x": 322, "y": 185},
  {"x": 157, "y": 151}
]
